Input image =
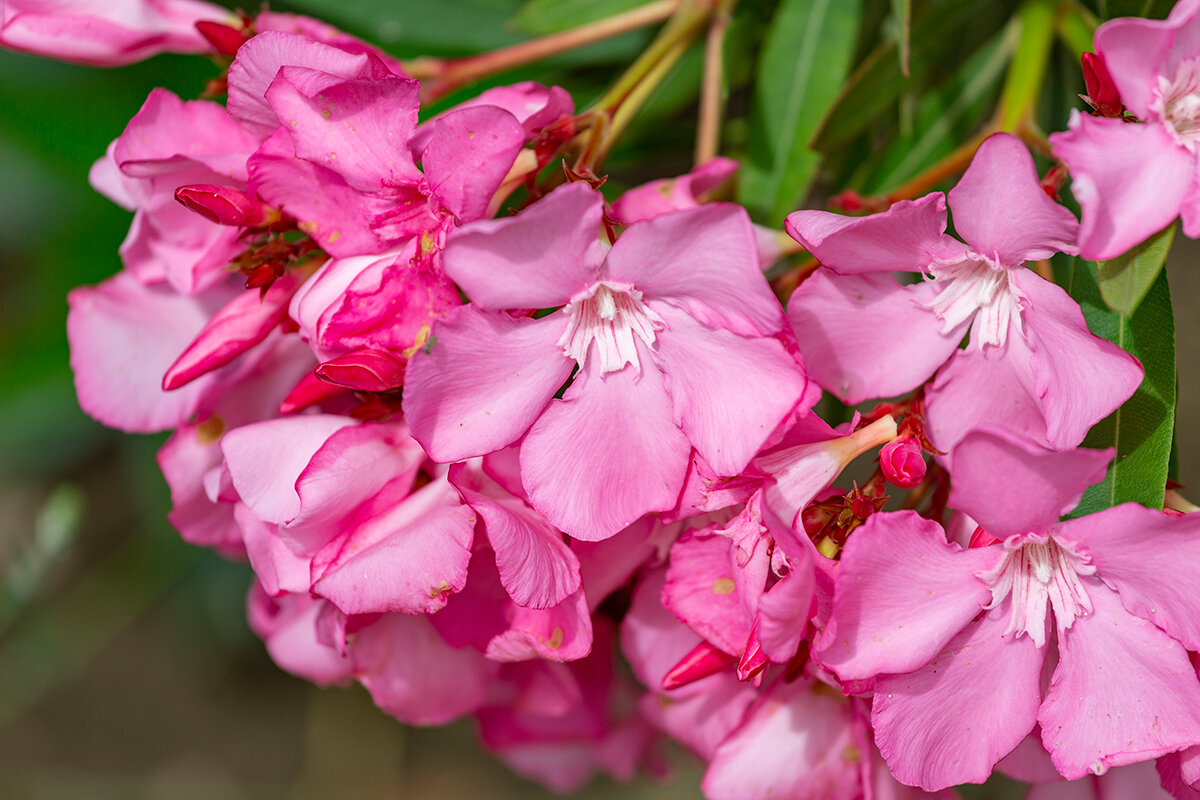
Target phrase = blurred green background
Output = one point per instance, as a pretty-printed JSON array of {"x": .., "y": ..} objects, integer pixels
[{"x": 126, "y": 668}]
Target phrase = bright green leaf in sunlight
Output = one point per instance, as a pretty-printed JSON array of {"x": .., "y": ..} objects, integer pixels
[
  {"x": 1142, "y": 430},
  {"x": 1125, "y": 279}
]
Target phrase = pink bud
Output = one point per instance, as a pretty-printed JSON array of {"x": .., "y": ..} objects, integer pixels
[
  {"x": 365, "y": 370},
  {"x": 226, "y": 205},
  {"x": 703, "y": 660},
  {"x": 903, "y": 461},
  {"x": 753, "y": 660},
  {"x": 310, "y": 391},
  {"x": 225, "y": 39},
  {"x": 1101, "y": 90}
]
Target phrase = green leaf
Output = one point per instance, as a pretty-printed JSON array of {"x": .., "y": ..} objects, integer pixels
[
  {"x": 541, "y": 17},
  {"x": 1154, "y": 9},
  {"x": 805, "y": 57},
  {"x": 902, "y": 11},
  {"x": 943, "y": 35},
  {"x": 1142, "y": 430},
  {"x": 1125, "y": 279}
]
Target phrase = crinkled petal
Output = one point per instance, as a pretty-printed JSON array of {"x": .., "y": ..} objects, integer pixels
[
  {"x": 1130, "y": 181},
  {"x": 902, "y": 593},
  {"x": 539, "y": 258},
  {"x": 258, "y": 63},
  {"x": 866, "y": 336},
  {"x": 1080, "y": 378},
  {"x": 357, "y": 127},
  {"x": 537, "y": 568},
  {"x": 414, "y": 675},
  {"x": 469, "y": 154},
  {"x": 1009, "y": 484},
  {"x": 901, "y": 238},
  {"x": 703, "y": 260},
  {"x": 795, "y": 743},
  {"x": 707, "y": 372},
  {"x": 1001, "y": 210},
  {"x": 954, "y": 718},
  {"x": 606, "y": 453},
  {"x": 560, "y": 633},
  {"x": 481, "y": 380},
  {"x": 1149, "y": 558},
  {"x": 1123, "y": 691},
  {"x": 399, "y": 553}
]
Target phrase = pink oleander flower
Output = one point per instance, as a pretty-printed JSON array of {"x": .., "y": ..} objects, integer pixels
[
  {"x": 929, "y": 626},
  {"x": 1031, "y": 364},
  {"x": 1132, "y": 178},
  {"x": 673, "y": 333},
  {"x": 106, "y": 33}
]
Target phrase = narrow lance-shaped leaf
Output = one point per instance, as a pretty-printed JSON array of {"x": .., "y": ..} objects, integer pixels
[
  {"x": 1142, "y": 430},
  {"x": 943, "y": 35},
  {"x": 806, "y": 55},
  {"x": 1125, "y": 279},
  {"x": 902, "y": 11},
  {"x": 540, "y": 17}
]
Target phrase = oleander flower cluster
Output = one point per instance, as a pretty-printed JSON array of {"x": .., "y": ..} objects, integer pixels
[{"x": 483, "y": 437}]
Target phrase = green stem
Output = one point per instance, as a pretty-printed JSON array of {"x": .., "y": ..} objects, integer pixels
[
  {"x": 448, "y": 75},
  {"x": 1018, "y": 99},
  {"x": 712, "y": 87}
]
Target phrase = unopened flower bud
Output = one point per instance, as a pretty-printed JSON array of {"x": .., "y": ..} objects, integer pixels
[
  {"x": 226, "y": 205},
  {"x": 365, "y": 370},
  {"x": 903, "y": 462},
  {"x": 1101, "y": 90},
  {"x": 701, "y": 661},
  {"x": 225, "y": 39}
]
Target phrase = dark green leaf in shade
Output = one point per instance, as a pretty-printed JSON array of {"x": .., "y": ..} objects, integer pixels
[
  {"x": 1142, "y": 430},
  {"x": 902, "y": 11},
  {"x": 1125, "y": 279},
  {"x": 1154, "y": 9},
  {"x": 805, "y": 57},
  {"x": 943, "y": 35}
]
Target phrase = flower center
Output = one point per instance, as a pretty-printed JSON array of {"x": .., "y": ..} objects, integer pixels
[
  {"x": 1037, "y": 570},
  {"x": 613, "y": 318},
  {"x": 1180, "y": 103},
  {"x": 978, "y": 287}
]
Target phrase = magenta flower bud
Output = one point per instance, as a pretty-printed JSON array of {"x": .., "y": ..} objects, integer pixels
[
  {"x": 226, "y": 205},
  {"x": 225, "y": 39},
  {"x": 310, "y": 391},
  {"x": 700, "y": 662},
  {"x": 365, "y": 370},
  {"x": 902, "y": 461},
  {"x": 1101, "y": 90}
]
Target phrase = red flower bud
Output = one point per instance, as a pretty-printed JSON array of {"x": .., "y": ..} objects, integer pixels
[
  {"x": 364, "y": 370},
  {"x": 225, "y": 39},
  {"x": 903, "y": 461},
  {"x": 226, "y": 205},
  {"x": 1102, "y": 93}
]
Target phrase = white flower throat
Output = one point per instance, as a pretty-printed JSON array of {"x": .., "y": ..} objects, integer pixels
[
  {"x": 976, "y": 287},
  {"x": 1037, "y": 572},
  {"x": 613, "y": 318},
  {"x": 1179, "y": 103}
]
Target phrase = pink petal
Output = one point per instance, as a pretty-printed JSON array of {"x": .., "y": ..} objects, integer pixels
[
  {"x": 288, "y": 626},
  {"x": 984, "y": 387},
  {"x": 1123, "y": 691},
  {"x": 414, "y": 675},
  {"x": 1080, "y": 377},
  {"x": 867, "y": 336},
  {"x": 702, "y": 592},
  {"x": 606, "y": 453},
  {"x": 537, "y": 568},
  {"x": 901, "y": 238},
  {"x": 784, "y": 611},
  {"x": 259, "y": 61},
  {"x": 169, "y": 136},
  {"x": 481, "y": 380},
  {"x": 278, "y": 569},
  {"x": 123, "y": 337},
  {"x": 1173, "y": 781},
  {"x": 1130, "y": 181},
  {"x": 184, "y": 460},
  {"x": 540, "y": 258},
  {"x": 1001, "y": 210},
  {"x": 607, "y": 566},
  {"x": 106, "y": 33},
  {"x": 469, "y": 154},
  {"x": 560, "y": 633},
  {"x": 265, "y": 460},
  {"x": 401, "y": 552},
  {"x": 1141, "y": 554},
  {"x": 902, "y": 593},
  {"x": 1009, "y": 484},
  {"x": 672, "y": 194},
  {"x": 707, "y": 372},
  {"x": 237, "y": 327},
  {"x": 1136, "y": 52},
  {"x": 954, "y": 718},
  {"x": 703, "y": 260},
  {"x": 330, "y": 211},
  {"x": 795, "y": 743},
  {"x": 356, "y": 128}
]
